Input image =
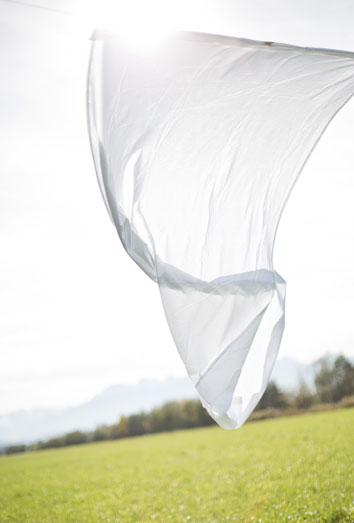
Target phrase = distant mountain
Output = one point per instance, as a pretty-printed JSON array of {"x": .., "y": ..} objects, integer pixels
[
  {"x": 107, "y": 407},
  {"x": 288, "y": 373}
]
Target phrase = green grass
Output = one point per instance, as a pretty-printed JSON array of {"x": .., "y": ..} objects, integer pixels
[{"x": 286, "y": 469}]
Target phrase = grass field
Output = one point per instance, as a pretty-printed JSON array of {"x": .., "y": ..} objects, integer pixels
[{"x": 285, "y": 469}]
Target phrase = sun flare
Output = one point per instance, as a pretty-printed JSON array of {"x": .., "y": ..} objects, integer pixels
[{"x": 142, "y": 25}]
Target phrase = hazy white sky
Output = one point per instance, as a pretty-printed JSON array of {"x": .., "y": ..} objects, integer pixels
[{"x": 76, "y": 314}]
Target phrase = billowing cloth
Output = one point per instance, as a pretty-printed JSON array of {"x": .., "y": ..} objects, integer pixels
[{"x": 197, "y": 145}]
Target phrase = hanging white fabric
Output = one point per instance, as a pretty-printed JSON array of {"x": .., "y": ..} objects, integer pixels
[{"x": 197, "y": 145}]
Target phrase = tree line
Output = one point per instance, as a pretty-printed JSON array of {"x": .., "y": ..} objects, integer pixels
[
  {"x": 333, "y": 382},
  {"x": 173, "y": 415}
]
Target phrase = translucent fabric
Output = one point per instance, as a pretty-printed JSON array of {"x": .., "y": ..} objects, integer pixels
[{"x": 197, "y": 145}]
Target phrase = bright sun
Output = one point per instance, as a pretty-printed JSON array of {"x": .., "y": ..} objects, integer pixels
[{"x": 142, "y": 24}]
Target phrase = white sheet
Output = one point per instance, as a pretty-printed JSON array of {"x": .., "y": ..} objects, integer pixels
[{"x": 197, "y": 145}]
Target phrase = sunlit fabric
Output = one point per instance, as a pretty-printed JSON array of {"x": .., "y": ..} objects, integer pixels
[{"x": 197, "y": 144}]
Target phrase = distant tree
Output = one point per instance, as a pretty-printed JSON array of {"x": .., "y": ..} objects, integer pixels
[
  {"x": 102, "y": 433},
  {"x": 119, "y": 430},
  {"x": 344, "y": 378},
  {"x": 52, "y": 443},
  {"x": 304, "y": 397},
  {"x": 14, "y": 449},
  {"x": 38, "y": 445},
  {"x": 156, "y": 420},
  {"x": 202, "y": 416},
  {"x": 171, "y": 416},
  {"x": 334, "y": 381},
  {"x": 324, "y": 381},
  {"x": 75, "y": 438},
  {"x": 137, "y": 424},
  {"x": 190, "y": 415},
  {"x": 273, "y": 397}
]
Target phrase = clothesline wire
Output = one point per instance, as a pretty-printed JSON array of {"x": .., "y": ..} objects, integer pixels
[{"x": 43, "y": 7}]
